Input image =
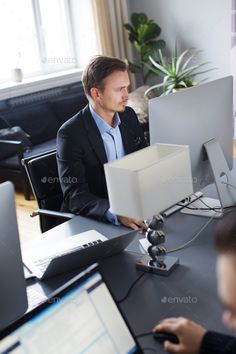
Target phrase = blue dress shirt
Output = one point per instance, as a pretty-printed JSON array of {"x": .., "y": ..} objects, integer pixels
[{"x": 113, "y": 145}]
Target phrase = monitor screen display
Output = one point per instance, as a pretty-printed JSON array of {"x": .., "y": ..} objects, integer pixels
[{"x": 84, "y": 320}]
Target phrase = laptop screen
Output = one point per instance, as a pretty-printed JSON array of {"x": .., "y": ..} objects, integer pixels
[{"x": 85, "y": 319}]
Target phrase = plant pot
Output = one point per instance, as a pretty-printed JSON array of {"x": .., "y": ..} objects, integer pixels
[
  {"x": 184, "y": 88},
  {"x": 17, "y": 75}
]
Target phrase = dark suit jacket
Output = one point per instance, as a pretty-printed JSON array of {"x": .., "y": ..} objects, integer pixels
[
  {"x": 218, "y": 343},
  {"x": 81, "y": 155}
]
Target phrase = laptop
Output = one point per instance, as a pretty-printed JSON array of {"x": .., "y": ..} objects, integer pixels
[
  {"x": 50, "y": 256},
  {"x": 80, "y": 317},
  {"x": 12, "y": 279}
]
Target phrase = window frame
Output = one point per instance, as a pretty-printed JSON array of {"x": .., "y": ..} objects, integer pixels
[{"x": 45, "y": 67}]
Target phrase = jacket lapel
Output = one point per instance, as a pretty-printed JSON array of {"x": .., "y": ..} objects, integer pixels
[
  {"x": 127, "y": 134},
  {"x": 94, "y": 136}
]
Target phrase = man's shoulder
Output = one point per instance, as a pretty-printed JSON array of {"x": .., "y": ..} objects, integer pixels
[
  {"x": 129, "y": 116},
  {"x": 128, "y": 111},
  {"x": 75, "y": 122}
]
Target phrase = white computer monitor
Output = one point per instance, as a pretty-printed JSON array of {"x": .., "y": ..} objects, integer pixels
[{"x": 193, "y": 117}]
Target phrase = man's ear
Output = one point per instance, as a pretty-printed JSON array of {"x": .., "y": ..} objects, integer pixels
[{"x": 95, "y": 94}]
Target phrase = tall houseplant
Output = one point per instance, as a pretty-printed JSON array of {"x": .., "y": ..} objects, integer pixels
[
  {"x": 177, "y": 71},
  {"x": 143, "y": 34}
]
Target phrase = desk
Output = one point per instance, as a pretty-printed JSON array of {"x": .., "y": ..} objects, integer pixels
[{"x": 189, "y": 291}]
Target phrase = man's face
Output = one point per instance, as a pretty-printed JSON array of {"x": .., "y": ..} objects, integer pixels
[
  {"x": 114, "y": 96},
  {"x": 226, "y": 272}
]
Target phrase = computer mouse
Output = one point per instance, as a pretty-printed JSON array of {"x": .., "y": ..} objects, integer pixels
[{"x": 163, "y": 336}]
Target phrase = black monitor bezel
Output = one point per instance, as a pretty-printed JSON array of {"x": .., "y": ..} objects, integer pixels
[{"x": 58, "y": 294}]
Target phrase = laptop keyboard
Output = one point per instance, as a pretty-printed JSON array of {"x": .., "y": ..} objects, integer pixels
[{"x": 43, "y": 263}]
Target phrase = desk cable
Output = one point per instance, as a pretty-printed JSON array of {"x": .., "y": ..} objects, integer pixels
[
  {"x": 207, "y": 207},
  {"x": 194, "y": 237},
  {"x": 131, "y": 287},
  {"x": 141, "y": 335}
]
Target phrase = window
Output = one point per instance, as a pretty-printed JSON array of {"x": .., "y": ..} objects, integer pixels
[{"x": 41, "y": 36}]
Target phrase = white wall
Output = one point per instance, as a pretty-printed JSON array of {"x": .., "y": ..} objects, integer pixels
[{"x": 203, "y": 24}]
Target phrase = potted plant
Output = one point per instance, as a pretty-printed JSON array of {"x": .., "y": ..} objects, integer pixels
[
  {"x": 143, "y": 34},
  {"x": 177, "y": 71}
]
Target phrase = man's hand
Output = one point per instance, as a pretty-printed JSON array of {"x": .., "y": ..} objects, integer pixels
[
  {"x": 190, "y": 335},
  {"x": 132, "y": 223}
]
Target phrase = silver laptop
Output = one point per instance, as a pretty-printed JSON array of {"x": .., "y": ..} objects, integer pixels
[
  {"x": 80, "y": 317},
  {"x": 47, "y": 257},
  {"x": 13, "y": 298}
]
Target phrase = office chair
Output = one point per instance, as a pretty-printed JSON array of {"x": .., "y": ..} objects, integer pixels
[{"x": 44, "y": 180}]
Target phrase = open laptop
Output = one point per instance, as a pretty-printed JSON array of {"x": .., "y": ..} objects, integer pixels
[
  {"x": 80, "y": 317},
  {"x": 13, "y": 298},
  {"x": 51, "y": 256}
]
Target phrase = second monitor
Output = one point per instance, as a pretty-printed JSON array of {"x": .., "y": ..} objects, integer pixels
[{"x": 194, "y": 117}]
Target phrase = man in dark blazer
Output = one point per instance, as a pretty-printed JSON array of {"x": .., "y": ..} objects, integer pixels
[
  {"x": 193, "y": 338},
  {"x": 103, "y": 131}
]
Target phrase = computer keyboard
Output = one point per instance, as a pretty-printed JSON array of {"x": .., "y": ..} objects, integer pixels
[
  {"x": 44, "y": 262},
  {"x": 35, "y": 298}
]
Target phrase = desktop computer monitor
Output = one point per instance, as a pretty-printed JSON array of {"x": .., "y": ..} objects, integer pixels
[
  {"x": 193, "y": 117},
  {"x": 13, "y": 297}
]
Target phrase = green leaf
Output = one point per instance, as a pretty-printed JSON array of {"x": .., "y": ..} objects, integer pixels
[
  {"x": 182, "y": 83},
  {"x": 187, "y": 61},
  {"x": 138, "y": 18},
  {"x": 154, "y": 46},
  {"x": 156, "y": 71},
  {"x": 161, "y": 58},
  {"x": 138, "y": 47},
  {"x": 151, "y": 89},
  {"x": 190, "y": 70},
  {"x": 142, "y": 31},
  {"x": 132, "y": 37},
  {"x": 128, "y": 27},
  {"x": 152, "y": 31},
  {"x": 134, "y": 68},
  {"x": 180, "y": 59},
  {"x": 158, "y": 66},
  {"x": 160, "y": 44},
  {"x": 204, "y": 71}
]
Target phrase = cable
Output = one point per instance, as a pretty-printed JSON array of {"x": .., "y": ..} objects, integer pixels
[
  {"x": 216, "y": 209},
  {"x": 204, "y": 203},
  {"x": 229, "y": 184},
  {"x": 131, "y": 287},
  {"x": 194, "y": 237},
  {"x": 207, "y": 209},
  {"x": 144, "y": 334}
]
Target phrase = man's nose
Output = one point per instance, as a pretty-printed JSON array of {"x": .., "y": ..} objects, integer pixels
[{"x": 125, "y": 94}]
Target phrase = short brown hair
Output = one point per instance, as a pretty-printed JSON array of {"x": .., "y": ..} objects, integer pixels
[
  {"x": 225, "y": 236},
  {"x": 98, "y": 68}
]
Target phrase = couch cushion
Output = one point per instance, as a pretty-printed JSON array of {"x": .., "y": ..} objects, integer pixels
[
  {"x": 67, "y": 107},
  {"x": 38, "y": 120},
  {"x": 13, "y": 163}
]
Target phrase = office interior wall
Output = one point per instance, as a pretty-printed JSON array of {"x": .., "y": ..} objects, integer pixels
[{"x": 203, "y": 24}]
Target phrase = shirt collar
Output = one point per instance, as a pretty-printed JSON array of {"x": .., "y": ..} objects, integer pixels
[{"x": 102, "y": 125}]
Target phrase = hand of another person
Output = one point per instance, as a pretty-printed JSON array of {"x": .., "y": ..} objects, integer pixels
[
  {"x": 189, "y": 333},
  {"x": 132, "y": 223}
]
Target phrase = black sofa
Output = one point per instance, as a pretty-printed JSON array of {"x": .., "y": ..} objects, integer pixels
[{"x": 41, "y": 121}]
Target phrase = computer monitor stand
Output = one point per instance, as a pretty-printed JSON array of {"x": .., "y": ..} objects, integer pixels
[{"x": 225, "y": 185}]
